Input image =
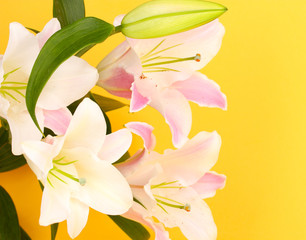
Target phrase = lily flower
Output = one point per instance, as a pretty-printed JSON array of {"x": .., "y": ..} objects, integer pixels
[
  {"x": 71, "y": 81},
  {"x": 170, "y": 187},
  {"x": 161, "y": 72},
  {"x": 77, "y": 172}
]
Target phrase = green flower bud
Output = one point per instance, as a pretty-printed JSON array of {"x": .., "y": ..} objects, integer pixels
[{"x": 159, "y": 18}]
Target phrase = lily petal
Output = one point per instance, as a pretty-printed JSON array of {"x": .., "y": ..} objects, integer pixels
[
  {"x": 105, "y": 190},
  {"x": 57, "y": 120},
  {"x": 117, "y": 70},
  {"x": 201, "y": 90},
  {"x": 139, "y": 214},
  {"x": 50, "y": 28},
  {"x": 87, "y": 127},
  {"x": 138, "y": 101},
  {"x": 39, "y": 155},
  {"x": 145, "y": 131},
  {"x": 54, "y": 204},
  {"x": 77, "y": 218},
  {"x": 21, "y": 51},
  {"x": 189, "y": 163},
  {"x": 205, "y": 40},
  {"x": 196, "y": 224},
  {"x": 177, "y": 113},
  {"x": 115, "y": 145},
  {"x": 72, "y": 80},
  {"x": 22, "y": 128},
  {"x": 207, "y": 185}
]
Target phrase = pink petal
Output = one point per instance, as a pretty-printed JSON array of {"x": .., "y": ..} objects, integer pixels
[
  {"x": 50, "y": 28},
  {"x": 207, "y": 185},
  {"x": 117, "y": 70},
  {"x": 189, "y": 163},
  {"x": 128, "y": 167},
  {"x": 177, "y": 113},
  {"x": 138, "y": 101},
  {"x": 57, "y": 120},
  {"x": 145, "y": 131},
  {"x": 199, "y": 89}
]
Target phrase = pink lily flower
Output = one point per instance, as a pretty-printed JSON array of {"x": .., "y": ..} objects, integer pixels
[
  {"x": 171, "y": 186},
  {"x": 71, "y": 81},
  {"x": 162, "y": 73}
]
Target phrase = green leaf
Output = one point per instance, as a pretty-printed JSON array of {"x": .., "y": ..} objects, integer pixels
[
  {"x": 159, "y": 18},
  {"x": 9, "y": 225},
  {"x": 59, "y": 47},
  {"x": 8, "y": 161},
  {"x": 68, "y": 11},
  {"x": 133, "y": 229},
  {"x": 54, "y": 228},
  {"x": 108, "y": 104},
  {"x": 24, "y": 235}
]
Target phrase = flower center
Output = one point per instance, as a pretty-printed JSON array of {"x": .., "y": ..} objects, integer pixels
[
  {"x": 154, "y": 60},
  {"x": 9, "y": 89},
  {"x": 59, "y": 173},
  {"x": 163, "y": 201}
]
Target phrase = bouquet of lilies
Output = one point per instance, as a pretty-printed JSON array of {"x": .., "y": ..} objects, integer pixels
[{"x": 52, "y": 121}]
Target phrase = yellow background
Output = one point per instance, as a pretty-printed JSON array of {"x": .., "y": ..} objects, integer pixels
[{"x": 261, "y": 68}]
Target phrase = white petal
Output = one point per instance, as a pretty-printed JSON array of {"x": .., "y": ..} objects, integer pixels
[
  {"x": 21, "y": 51},
  {"x": 77, "y": 218},
  {"x": 40, "y": 155},
  {"x": 72, "y": 80},
  {"x": 115, "y": 145},
  {"x": 50, "y": 28},
  {"x": 105, "y": 190},
  {"x": 87, "y": 128},
  {"x": 189, "y": 163},
  {"x": 23, "y": 128},
  {"x": 55, "y": 204},
  {"x": 1, "y": 69}
]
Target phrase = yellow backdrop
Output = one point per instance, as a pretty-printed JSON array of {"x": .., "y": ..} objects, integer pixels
[{"x": 261, "y": 68}]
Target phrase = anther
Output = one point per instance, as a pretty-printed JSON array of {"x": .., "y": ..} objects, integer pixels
[
  {"x": 187, "y": 207},
  {"x": 197, "y": 58},
  {"x": 82, "y": 181}
]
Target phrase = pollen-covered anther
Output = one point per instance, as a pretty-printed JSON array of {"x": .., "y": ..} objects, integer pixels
[
  {"x": 197, "y": 58},
  {"x": 187, "y": 207}
]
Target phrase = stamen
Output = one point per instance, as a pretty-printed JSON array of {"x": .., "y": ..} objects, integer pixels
[
  {"x": 194, "y": 58},
  {"x": 178, "y": 205}
]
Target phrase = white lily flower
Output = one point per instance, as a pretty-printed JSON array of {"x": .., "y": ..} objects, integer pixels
[
  {"x": 71, "y": 81},
  {"x": 76, "y": 170}
]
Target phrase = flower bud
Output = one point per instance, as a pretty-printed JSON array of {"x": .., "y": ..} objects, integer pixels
[{"x": 159, "y": 18}]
